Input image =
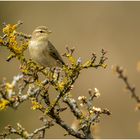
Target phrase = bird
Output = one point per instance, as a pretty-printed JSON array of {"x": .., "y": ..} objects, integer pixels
[{"x": 42, "y": 50}]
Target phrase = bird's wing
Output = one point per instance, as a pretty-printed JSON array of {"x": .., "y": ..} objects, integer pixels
[{"x": 54, "y": 53}]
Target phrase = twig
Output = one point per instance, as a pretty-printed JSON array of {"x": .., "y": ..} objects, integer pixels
[
  {"x": 73, "y": 106},
  {"x": 66, "y": 127},
  {"x": 129, "y": 87},
  {"x": 41, "y": 129}
]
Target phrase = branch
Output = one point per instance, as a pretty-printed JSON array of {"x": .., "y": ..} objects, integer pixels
[
  {"x": 69, "y": 130},
  {"x": 73, "y": 106},
  {"x": 37, "y": 91},
  {"x": 22, "y": 132},
  {"x": 129, "y": 87}
]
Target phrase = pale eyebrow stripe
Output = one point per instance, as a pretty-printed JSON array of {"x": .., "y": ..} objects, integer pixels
[{"x": 37, "y": 30}]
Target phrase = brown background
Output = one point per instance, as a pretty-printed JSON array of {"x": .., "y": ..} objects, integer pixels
[{"x": 89, "y": 27}]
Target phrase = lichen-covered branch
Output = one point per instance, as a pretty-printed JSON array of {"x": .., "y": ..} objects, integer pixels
[
  {"x": 22, "y": 132},
  {"x": 12, "y": 94}
]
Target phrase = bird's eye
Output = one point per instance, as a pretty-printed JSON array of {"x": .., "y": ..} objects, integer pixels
[{"x": 41, "y": 31}]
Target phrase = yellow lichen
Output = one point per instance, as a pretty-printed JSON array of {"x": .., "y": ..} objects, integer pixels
[
  {"x": 36, "y": 105},
  {"x": 3, "y": 104},
  {"x": 71, "y": 59},
  {"x": 9, "y": 29},
  {"x": 86, "y": 64},
  {"x": 15, "y": 46},
  {"x": 104, "y": 65},
  {"x": 61, "y": 86},
  {"x": 9, "y": 86},
  {"x": 1, "y": 41}
]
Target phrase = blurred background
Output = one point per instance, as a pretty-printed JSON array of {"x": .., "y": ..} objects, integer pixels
[{"x": 89, "y": 27}]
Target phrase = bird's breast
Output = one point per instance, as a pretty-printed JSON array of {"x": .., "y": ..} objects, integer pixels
[
  {"x": 39, "y": 53},
  {"x": 36, "y": 49}
]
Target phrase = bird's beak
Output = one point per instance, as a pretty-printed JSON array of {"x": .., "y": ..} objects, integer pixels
[{"x": 49, "y": 31}]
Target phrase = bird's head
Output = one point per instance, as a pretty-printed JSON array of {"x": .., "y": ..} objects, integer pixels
[{"x": 41, "y": 33}]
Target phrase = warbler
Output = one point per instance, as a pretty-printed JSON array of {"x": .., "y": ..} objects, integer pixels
[{"x": 42, "y": 50}]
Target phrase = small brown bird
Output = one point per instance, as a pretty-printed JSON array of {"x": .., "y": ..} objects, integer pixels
[{"x": 42, "y": 50}]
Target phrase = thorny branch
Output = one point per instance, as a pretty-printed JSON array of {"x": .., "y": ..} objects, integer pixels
[
  {"x": 129, "y": 87},
  {"x": 62, "y": 80}
]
